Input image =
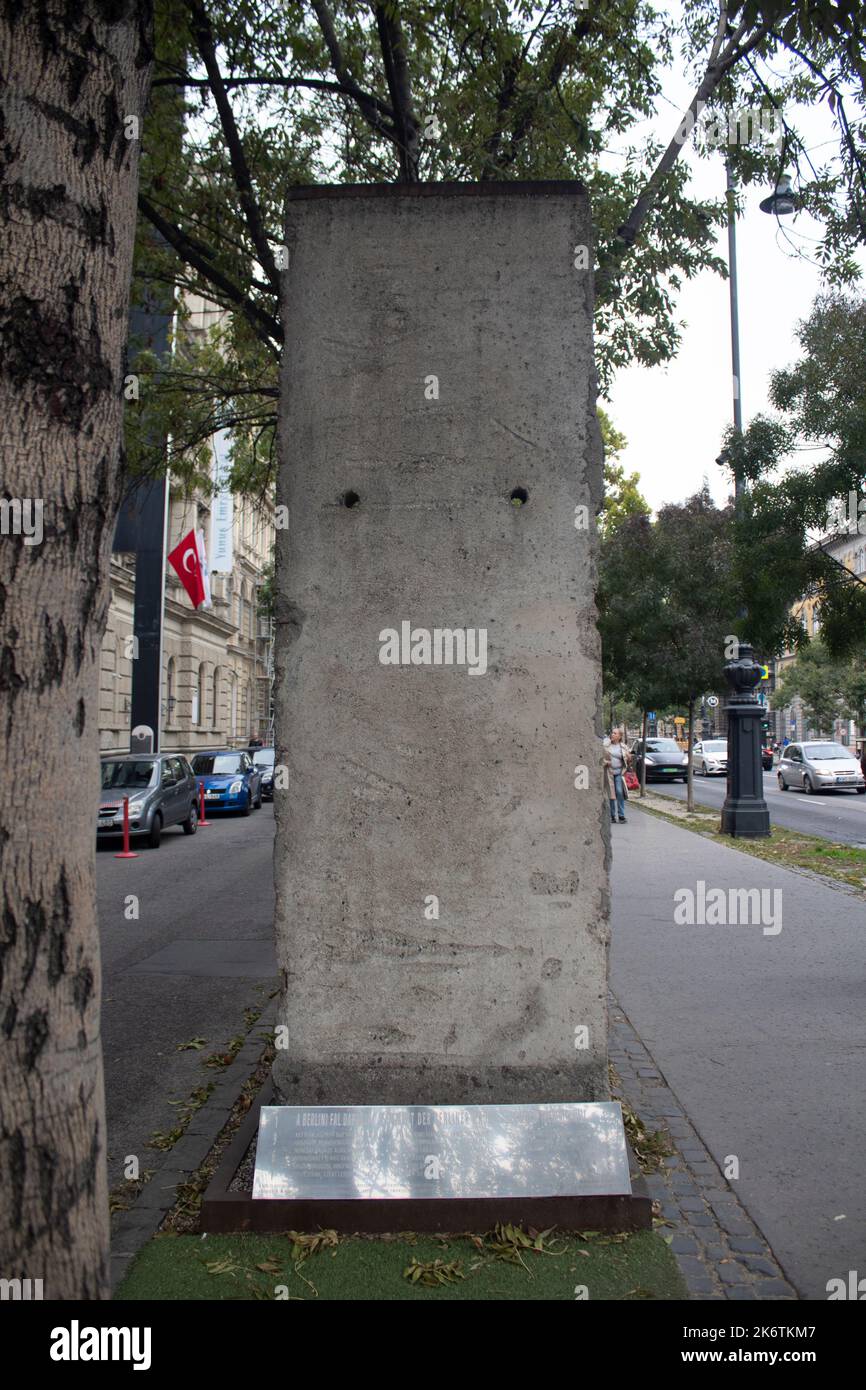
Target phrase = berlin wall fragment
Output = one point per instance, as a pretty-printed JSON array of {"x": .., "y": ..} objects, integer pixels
[{"x": 441, "y": 860}]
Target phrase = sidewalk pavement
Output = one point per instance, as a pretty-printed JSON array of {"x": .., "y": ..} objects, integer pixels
[{"x": 759, "y": 1038}]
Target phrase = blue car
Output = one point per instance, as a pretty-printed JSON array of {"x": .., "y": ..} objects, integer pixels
[{"x": 231, "y": 781}]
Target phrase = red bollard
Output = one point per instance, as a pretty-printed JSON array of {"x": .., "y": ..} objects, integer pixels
[
  {"x": 126, "y": 852},
  {"x": 201, "y": 817}
]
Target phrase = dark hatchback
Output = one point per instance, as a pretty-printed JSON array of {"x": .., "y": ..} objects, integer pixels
[
  {"x": 264, "y": 759},
  {"x": 665, "y": 760},
  {"x": 161, "y": 790}
]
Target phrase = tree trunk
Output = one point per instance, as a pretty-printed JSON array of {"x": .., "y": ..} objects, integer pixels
[
  {"x": 643, "y": 759},
  {"x": 690, "y": 798},
  {"x": 74, "y": 74}
]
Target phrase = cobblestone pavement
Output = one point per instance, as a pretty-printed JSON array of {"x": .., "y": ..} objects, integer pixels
[{"x": 720, "y": 1251}]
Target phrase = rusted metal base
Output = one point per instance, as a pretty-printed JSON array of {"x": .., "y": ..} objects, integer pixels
[{"x": 224, "y": 1211}]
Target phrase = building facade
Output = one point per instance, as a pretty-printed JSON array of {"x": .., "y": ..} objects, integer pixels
[
  {"x": 790, "y": 721},
  {"x": 217, "y": 662}
]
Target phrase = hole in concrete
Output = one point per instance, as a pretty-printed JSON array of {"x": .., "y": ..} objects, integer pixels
[
  {"x": 519, "y": 497},
  {"x": 350, "y": 499}
]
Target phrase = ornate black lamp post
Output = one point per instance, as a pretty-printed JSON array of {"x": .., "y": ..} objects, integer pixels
[{"x": 745, "y": 810}]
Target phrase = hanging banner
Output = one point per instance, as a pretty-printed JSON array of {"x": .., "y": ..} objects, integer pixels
[
  {"x": 205, "y": 572},
  {"x": 222, "y": 514}
]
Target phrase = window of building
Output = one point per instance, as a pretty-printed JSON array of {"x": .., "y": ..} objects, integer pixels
[
  {"x": 119, "y": 678},
  {"x": 215, "y": 715},
  {"x": 170, "y": 691},
  {"x": 198, "y": 698}
]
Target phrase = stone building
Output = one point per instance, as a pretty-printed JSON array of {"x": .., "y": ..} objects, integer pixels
[
  {"x": 217, "y": 667},
  {"x": 217, "y": 662},
  {"x": 848, "y": 549}
]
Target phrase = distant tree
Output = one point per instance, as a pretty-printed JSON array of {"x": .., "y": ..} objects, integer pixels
[
  {"x": 785, "y": 512},
  {"x": 668, "y": 597},
  {"x": 854, "y": 694},
  {"x": 265, "y": 593},
  {"x": 828, "y": 688},
  {"x": 696, "y": 539},
  {"x": 622, "y": 496},
  {"x": 633, "y": 617}
]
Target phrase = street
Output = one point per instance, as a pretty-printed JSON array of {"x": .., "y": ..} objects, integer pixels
[
  {"x": 837, "y": 816},
  {"x": 200, "y": 953}
]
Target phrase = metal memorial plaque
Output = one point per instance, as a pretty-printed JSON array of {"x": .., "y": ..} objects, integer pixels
[{"x": 329, "y": 1152}]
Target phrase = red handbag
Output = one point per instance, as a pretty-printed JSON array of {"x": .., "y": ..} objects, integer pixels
[{"x": 632, "y": 782}]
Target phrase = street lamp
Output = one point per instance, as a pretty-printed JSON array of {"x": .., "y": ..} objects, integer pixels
[
  {"x": 745, "y": 812},
  {"x": 782, "y": 201}
]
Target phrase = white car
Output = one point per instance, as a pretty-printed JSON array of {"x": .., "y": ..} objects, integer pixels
[
  {"x": 820, "y": 766},
  {"x": 710, "y": 757}
]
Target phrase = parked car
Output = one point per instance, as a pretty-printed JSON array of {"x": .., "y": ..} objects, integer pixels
[
  {"x": 161, "y": 790},
  {"x": 820, "y": 766},
  {"x": 665, "y": 760},
  {"x": 231, "y": 781},
  {"x": 710, "y": 757},
  {"x": 264, "y": 759},
  {"x": 767, "y": 759}
]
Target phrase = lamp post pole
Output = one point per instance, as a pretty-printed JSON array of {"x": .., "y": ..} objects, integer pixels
[
  {"x": 735, "y": 310},
  {"x": 745, "y": 812}
]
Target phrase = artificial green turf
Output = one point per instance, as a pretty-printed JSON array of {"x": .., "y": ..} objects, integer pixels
[{"x": 639, "y": 1266}]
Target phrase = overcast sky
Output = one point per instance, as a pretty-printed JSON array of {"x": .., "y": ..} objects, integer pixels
[{"x": 673, "y": 416}]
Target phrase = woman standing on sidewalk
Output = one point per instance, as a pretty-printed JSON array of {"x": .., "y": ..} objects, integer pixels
[{"x": 616, "y": 761}]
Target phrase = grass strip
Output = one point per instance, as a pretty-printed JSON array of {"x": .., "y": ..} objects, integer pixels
[{"x": 623, "y": 1267}]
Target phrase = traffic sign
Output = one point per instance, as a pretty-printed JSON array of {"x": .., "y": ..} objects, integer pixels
[{"x": 712, "y": 701}]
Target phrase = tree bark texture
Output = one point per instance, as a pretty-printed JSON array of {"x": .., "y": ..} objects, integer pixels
[{"x": 71, "y": 75}]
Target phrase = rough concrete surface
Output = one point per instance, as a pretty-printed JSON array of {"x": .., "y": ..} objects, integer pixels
[{"x": 412, "y": 781}]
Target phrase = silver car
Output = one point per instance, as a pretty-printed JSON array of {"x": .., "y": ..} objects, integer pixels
[
  {"x": 710, "y": 756},
  {"x": 162, "y": 791},
  {"x": 820, "y": 766}
]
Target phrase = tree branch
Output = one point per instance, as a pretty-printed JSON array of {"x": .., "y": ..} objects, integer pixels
[
  {"x": 266, "y": 328},
  {"x": 205, "y": 40},
  {"x": 397, "y": 73},
  {"x": 721, "y": 61},
  {"x": 526, "y": 119},
  {"x": 316, "y": 84},
  {"x": 368, "y": 104}
]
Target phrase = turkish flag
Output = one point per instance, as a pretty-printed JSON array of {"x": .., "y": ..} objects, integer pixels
[{"x": 185, "y": 560}]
